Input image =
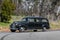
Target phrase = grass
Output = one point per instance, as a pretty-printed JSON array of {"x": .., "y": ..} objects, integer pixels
[
  {"x": 4, "y": 24},
  {"x": 14, "y": 18},
  {"x": 55, "y": 25}
]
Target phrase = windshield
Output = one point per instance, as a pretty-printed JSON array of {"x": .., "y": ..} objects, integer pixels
[{"x": 23, "y": 19}]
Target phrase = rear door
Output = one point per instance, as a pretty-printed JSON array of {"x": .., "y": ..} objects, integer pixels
[{"x": 37, "y": 23}]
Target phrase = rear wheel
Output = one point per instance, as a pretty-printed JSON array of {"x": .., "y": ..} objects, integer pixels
[
  {"x": 43, "y": 29},
  {"x": 47, "y": 27},
  {"x": 35, "y": 30}
]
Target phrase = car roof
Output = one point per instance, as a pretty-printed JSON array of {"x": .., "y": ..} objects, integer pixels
[{"x": 35, "y": 17}]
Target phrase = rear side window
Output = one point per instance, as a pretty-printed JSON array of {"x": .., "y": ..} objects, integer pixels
[{"x": 44, "y": 20}]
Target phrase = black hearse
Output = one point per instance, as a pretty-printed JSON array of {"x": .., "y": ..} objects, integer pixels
[{"x": 32, "y": 23}]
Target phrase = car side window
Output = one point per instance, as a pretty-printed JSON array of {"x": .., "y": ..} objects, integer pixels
[
  {"x": 37, "y": 20},
  {"x": 30, "y": 20}
]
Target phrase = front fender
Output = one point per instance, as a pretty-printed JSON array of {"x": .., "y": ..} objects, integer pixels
[{"x": 12, "y": 26}]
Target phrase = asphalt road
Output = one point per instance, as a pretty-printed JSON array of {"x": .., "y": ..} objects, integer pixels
[{"x": 50, "y": 35}]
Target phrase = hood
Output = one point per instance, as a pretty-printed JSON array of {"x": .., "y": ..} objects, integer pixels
[{"x": 19, "y": 22}]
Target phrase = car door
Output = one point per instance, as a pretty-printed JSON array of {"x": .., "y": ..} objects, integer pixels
[
  {"x": 37, "y": 23},
  {"x": 30, "y": 23}
]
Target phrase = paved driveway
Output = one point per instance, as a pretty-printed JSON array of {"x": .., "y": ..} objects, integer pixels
[{"x": 52, "y": 35}]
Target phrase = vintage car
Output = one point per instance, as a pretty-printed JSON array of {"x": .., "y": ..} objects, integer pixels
[{"x": 32, "y": 23}]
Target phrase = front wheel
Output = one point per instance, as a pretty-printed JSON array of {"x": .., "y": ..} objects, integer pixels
[{"x": 12, "y": 30}]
